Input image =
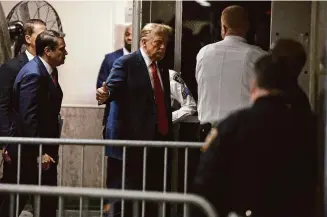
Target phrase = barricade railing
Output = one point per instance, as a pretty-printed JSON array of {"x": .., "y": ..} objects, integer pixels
[
  {"x": 175, "y": 146},
  {"x": 135, "y": 196}
]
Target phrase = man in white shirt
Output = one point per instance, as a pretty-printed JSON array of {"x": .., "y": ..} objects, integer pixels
[{"x": 224, "y": 70}]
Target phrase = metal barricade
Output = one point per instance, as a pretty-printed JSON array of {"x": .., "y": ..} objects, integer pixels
[
  {"x": 122, "y": 143},
  {"x": 113, "y": 194}
]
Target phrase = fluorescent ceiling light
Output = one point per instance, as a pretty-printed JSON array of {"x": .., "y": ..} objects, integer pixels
[{"x": 203, "y": 3}]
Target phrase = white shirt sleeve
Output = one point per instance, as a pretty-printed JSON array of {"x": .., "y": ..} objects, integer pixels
[
  {"x": 199, "y": 60},
  {"x": 252, "y": 56},
  {"x": 181, "y": 93}
]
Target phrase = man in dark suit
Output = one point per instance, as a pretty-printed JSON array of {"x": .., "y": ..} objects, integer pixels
[
  {"x": 293, "y": 56},
  {"x": 107, "y": 63},
  {"x": 262, "y": 161},
  {"x": 37, "y": 98},
  {"x": 114, "y": 168},
  {"x": 139, "y": 91},
  {"x": 8, "y": 73}
]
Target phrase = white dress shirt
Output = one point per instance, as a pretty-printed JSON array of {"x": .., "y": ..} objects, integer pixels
[
  {"x": 148, "y": 63},
  {"x": 125, "y": 51},
  {"x": 223, "y": 73},
  {"x": 29, "y": 55},
  {"x": 181, "y": 98},
  {"x": 47, "y": 66}
]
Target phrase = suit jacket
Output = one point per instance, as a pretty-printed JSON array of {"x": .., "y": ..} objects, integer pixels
[
  {"x": 104, "y": 73},
  {"x": 37, "y": 101},
  {"x": 132, "y": 114},
  {"x": 8, "y": 73}
]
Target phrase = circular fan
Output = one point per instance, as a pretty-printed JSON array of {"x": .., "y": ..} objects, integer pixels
[{"x": 25, "y": 10}]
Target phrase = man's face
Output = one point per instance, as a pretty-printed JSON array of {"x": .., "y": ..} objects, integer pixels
[
  {"x": 128, "y": 39},
  {"x": 30, "y": 39},
  {"x": 156, "y": 47},
  {"x": 58, "y": 55}
]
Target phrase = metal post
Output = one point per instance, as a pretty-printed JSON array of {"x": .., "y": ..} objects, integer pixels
[
  {"x": 81, "y": 199},
  {"x": 103, "y": 156},
  {"x": 178, "y": 35},
  {"x": 313, "y": 54},
  {"x": 177, "y": 68},
  {"x": 324, "y": 114},
  {"x": 136, "y": 24},
  {"x": 18, "y": 176},
  {"x": 112, "y": 194}
]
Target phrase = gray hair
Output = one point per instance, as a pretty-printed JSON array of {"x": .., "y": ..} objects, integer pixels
[{"x": 151, "y": 29}]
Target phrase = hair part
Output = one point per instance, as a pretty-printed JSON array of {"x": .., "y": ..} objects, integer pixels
[
  {"x": 47, "y": 38},
  {"x": 151, "y": 29}
]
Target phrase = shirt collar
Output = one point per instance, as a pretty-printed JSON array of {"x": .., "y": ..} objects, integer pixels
[
  {"x": 29, "y": 55},
  {"x": 146, "y": 58},
  {"x": 235, "y": 38},
  {"x": 125, "y": 51},
  {"x": 47, "y": 66}
]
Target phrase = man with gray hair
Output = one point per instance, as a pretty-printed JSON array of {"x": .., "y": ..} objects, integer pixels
[
  {"x": 139, "y": 93},
  {"x": 37, "y": 98}
]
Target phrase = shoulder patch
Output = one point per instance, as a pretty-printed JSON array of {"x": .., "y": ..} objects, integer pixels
[
  {"x": 185, "y": 92},
  {"x": 209, "y": 139},
  {"x": 178, "y": 78}
]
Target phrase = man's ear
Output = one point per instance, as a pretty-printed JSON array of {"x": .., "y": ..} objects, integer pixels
[
  {"x": 253, "y": 85},
  {"x": 28, "y": 39},
  {"x": 47, "y": 51},
  {"x": 143, "y": 42}
]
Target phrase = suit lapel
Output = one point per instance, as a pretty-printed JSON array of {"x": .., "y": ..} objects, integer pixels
[
  {"x": 55, "y": 90},
  {"x": 120, "y": 52},
  {"x": 23, "y": 59},
  {"x": 144, "y": 72}
]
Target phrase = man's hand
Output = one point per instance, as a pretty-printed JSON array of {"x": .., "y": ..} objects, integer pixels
[
  {"x": 5, "y": 155},
  {"x": 46, "y": 161},
  {"x": 102, "y": 94},
  {"x": 209, "y": 139}
]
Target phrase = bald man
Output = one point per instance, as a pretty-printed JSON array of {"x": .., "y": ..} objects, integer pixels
[
  {"x": 224, "y": 70},
  {"x": 108, "y": 62}
]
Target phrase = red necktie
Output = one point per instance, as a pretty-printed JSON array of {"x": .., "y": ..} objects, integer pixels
[
  {"x": 160, "y": 102},
  {"x": 54, "y": 76}
]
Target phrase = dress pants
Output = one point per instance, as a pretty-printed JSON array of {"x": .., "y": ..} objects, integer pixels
[
  {"x": 29, "y": 176},
  {"x": 154, "y": 175}
]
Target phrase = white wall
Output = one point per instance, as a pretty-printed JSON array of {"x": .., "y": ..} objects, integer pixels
[{"x": 90, "y": 28}]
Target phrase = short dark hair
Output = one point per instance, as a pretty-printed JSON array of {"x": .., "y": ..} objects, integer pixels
[
  {"x": 272, "y": 74},
  {"x": 47, "y": 38},
  {"x": 292, "y": 54},
  {"x": 29, "y": 26}
]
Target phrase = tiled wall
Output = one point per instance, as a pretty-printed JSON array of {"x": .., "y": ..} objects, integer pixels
[{"x": 81, "y": 123}]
